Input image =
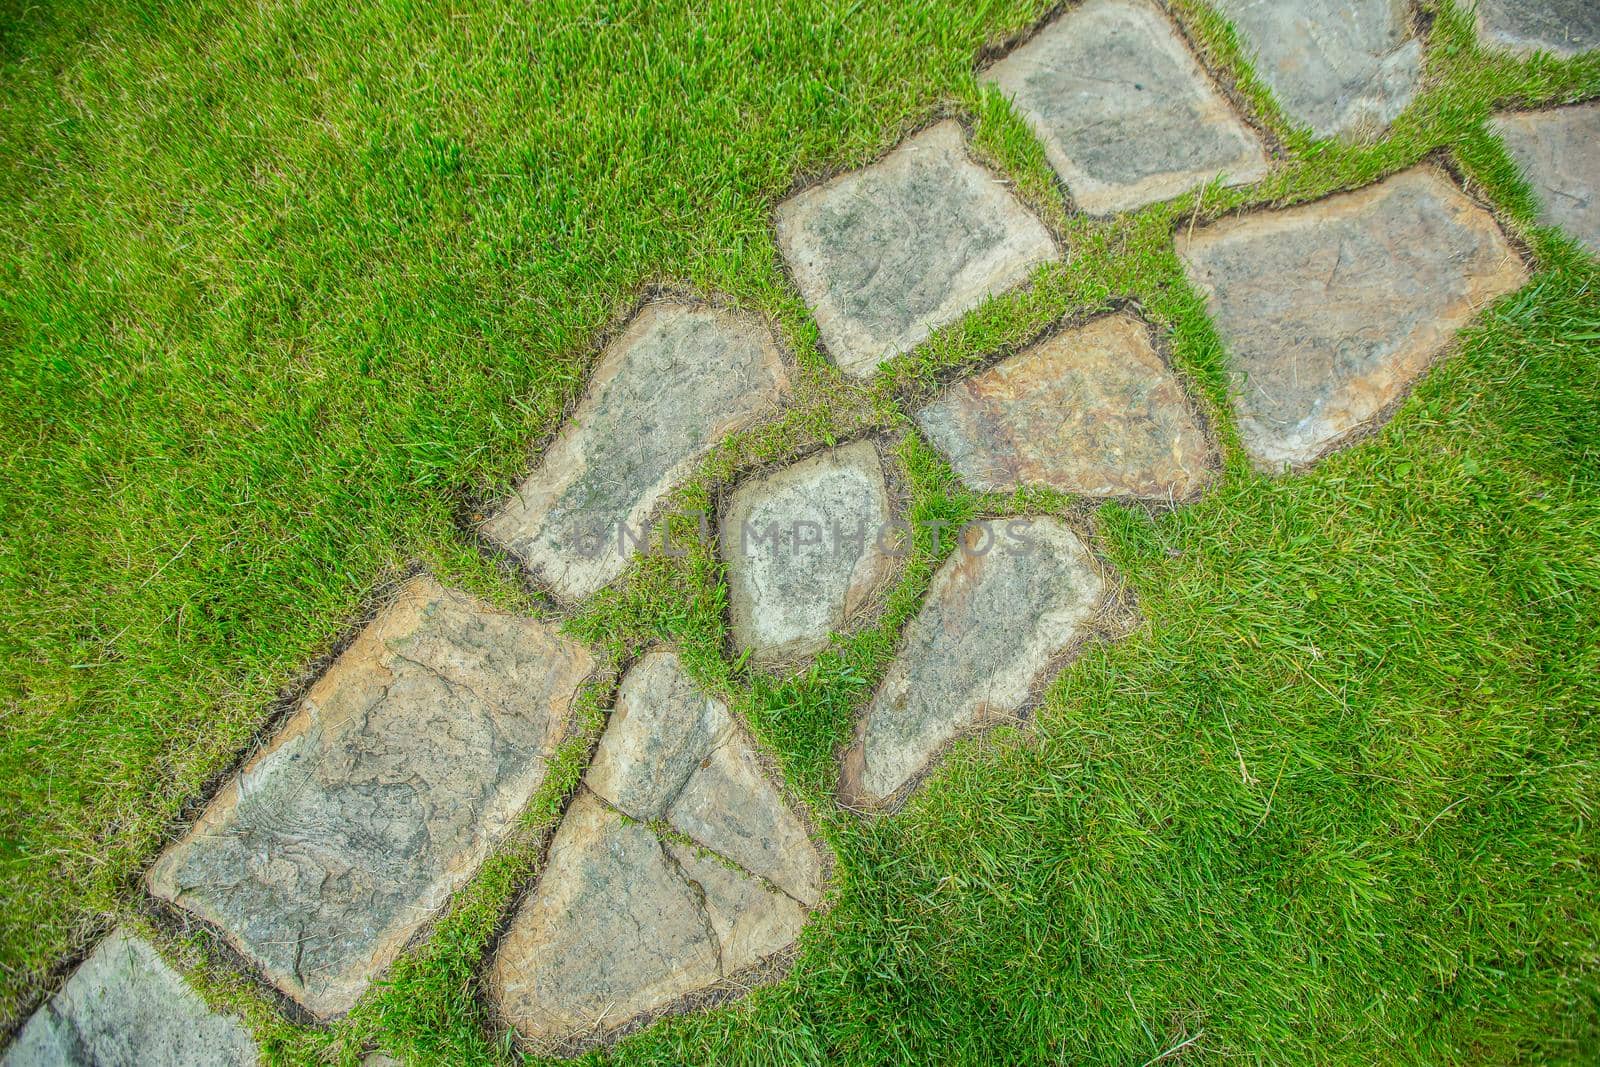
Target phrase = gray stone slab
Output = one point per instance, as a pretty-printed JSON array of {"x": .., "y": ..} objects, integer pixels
[
  {"x": 397, "y": 774},
  {"x": 679, "y": 379},
  {"x": 125, "y": 1007},
  {"x": 888, "y": 254},
  {"x": 805, "y": 552},
  {"x": 1558, "y": 152},
  {"x": 1338, "y": 66},
  {"x": 1126, "y": 115},
  {"x": 1331, "y": 310},
  {"x": 629, "y": 917},
  {"x": 1007, "y": 607},
  {"x": 1092, "y": 409},
  {"x": 1561, "y": 27}
]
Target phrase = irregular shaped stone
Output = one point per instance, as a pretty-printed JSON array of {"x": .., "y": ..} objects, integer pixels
[
  {"x": 388, "y": 786},
  {"x": 1126, "y": 115},
  {"x": 1559, "y": 153},
  {"x": 1007, "y": 606},
  {"x": 1335, "y": 65},
  {"x": 125, "y": 1007},
  {"x": 1560, "y": 27},
  {"x": 1331, "y": 310},
  {"x": 888, "y": 254},
  {"x": 679, "y": 379},
  {"x": 1091, "y": 410},
  {"x": 805, "y": 551}
]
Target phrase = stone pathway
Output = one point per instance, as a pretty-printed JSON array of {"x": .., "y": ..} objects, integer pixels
[
  {"x": 1558, "y": 152},
  {"x": 679, "y": 866},
  {"x": 1092, "y": 410},
  {"x": 1120, "y": 64},
  {"x": 1331, "y": 310},
  {"x": 681, "y": 873},
  {"x": 1338, "y": 66},
  {"x": 888, "y": 254}
]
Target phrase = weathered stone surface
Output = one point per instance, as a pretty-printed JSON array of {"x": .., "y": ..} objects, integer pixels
[
  {"x": 1126, "y": 115},
  {"x": 399, "y": 771},
  {"x": 625, "y": 922},
  {"x": 124, "y": 1007},
  {"x": 803, "y": 551},
  {"x": 679, "y": 379},
  {"x": 1335, "y": 65},
  {"x": 1331, "y": 310},
  {"x": 888, "y": 254},
  {"x": 1559, "y": 153},
  {"x": 1560, "y": 27},
  {"x": 1091, "y": 410},
  {"x": 1007, "y": 606}
]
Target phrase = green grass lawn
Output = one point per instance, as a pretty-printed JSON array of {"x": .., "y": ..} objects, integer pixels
[{"x": 289, "y": 290}]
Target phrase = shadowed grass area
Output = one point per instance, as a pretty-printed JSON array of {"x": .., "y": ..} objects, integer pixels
[{"x": 289, "y": 290}]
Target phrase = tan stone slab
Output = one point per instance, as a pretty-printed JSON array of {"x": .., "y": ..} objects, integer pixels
[
  {"x": 996, "y": 622},
  {"x": 1093, "y": 410},
  {"x": 1331, "y": 310},
  {"x": 1126, "y": 115},
  {"x": 888, "y": 254},
  {"x": 1558, "y": 151},
  {"x": 679, "y": 379},
  {"x": 805, "y": 551},
  {"x": 400, "y": 770}
]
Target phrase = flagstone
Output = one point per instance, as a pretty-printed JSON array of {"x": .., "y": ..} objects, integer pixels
[
  {"x": 1338, "y": 66},
  {"x": 888, "y": 254},
  {"x": 1126, "y": 115},
  {"x": 396, "y": 775},
  {"x": 126, "y": 1007},
  {"x": 1009, "y": 605},
  {"x": 1561, "y": 27},
  {"x": 1330, "y": 311},
  {"x": 1558, "y": 152},
  {"x": 679, "y": 379},
  {"x": 1092, "y": 409},
  {"x": 805, "y": 549}
]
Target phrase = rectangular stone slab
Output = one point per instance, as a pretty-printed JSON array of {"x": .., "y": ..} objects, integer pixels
[
  {"x": 679, "y": 379},
  {"x": 1331, "y": 310},
  {"x": 398, "y": 772},
  {"x": 1561, "y": 27},
  {"x": 1558, "y": 151},
  {"x": 1126, "y": 115}
]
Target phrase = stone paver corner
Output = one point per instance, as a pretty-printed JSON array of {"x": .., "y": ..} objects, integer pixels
[
  {"x": 1558, "y": 151},
  {"x": 1119, "y": 65},
  {"x": 1561, "y": 27},
  {"x": 888, "y": 254},
  {"x": 397, "y": 773}
]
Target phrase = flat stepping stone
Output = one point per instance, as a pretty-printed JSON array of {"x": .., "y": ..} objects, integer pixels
[
  {"x": 888, "y": 254},
  {"x": 679, "y": 379},
  {"x": 804, "y": 551},
  {"x": 125, "y": 1007},
  {"x": 678, "y": 866},
  {"x": 996, "y": 622},
  {"x": 1561, "y": 27},
  {"x": 1126, "y": 115},
  {"x": 400, "y": 770},
  {"x": 1335, "y": 65},
  {"x": 1558, "y": 152},
  {"x": 1331, "y": 310},
  {"x": 1092, "y": 410}
]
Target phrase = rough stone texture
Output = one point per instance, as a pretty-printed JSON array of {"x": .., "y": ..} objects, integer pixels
[
  {"x": 1335, "y": 65},
  {"x": 995, "y": 621},
  {"x": 1560, "y": 27},
  {"x": 626, "y": 921},
  {"x": 1119, "y": 65},
  {"x": 124, "y": 1007},
  {"x": 1559, "y": 153},
  {"x": 803, "y": 551},
  {"x": 679, "y": 379},
  {"x": 1331, "y": 310},
  {"x": 888, "y": 254},
  {"x": 399, "y": 771},
  {"x": 1091, "y": 410}
]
